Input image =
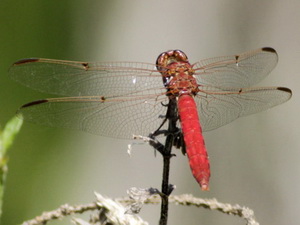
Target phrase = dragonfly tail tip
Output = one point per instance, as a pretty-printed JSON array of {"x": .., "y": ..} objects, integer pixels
[{"x": 204, "y": 187}]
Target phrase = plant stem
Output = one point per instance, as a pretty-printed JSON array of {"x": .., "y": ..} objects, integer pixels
[{"x": 166, "y": 187}]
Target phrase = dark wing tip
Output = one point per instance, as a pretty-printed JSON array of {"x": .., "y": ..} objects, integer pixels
[
  {"x": 269, "y": 49},
  {"x": 34, "y": 103},
  {"x": 285, "y": 89},
  {"x": 23, "y": 61}
]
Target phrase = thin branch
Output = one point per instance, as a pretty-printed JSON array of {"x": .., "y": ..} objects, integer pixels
[
  {"x": 61, "y": 212},
  {"x": 213, "y": 204},
  {"x": 165, "y": 151},
  {"x": 185, "y": 200}
]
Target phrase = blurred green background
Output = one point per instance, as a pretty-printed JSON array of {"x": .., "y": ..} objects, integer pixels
[{"x": 254, "y": 160}]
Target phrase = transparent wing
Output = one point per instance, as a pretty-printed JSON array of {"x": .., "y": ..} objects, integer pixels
[
  {"x": 119, "y": 118},
  {"x": 70, "y": 78},
  {"x": 217, "y": 107},
  {"x": 236, "y": 71}
]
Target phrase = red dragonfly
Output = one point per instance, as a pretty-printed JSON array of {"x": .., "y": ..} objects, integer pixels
[{"x": 122, "y": 99}]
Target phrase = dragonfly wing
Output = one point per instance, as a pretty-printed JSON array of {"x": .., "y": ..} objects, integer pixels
[
  {"x": 68, "y": 78},
  {"x": 236, "y": 71},
  {"x": 217, "y": 108},
  {"x": 119, "y": 118}
]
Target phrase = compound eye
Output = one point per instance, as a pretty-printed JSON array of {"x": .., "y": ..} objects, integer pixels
[
  {"x": 161, "y": 62},
  {"x": 180, "y": 55}
]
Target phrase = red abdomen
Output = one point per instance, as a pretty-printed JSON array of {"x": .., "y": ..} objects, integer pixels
[{"x": 193, "y": 139}]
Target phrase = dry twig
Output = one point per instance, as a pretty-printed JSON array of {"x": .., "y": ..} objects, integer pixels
[{"x": 112, "y": 212}]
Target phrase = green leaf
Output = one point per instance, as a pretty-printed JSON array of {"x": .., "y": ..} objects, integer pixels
[
  {"x": 6, "y": 139},
  {"x": 8, "y": 134}
]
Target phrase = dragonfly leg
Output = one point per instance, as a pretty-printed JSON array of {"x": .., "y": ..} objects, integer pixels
[{"x": 179, "y": 142}]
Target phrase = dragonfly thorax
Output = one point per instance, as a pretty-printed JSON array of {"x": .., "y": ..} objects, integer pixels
[{"x": 181, "y": 82}]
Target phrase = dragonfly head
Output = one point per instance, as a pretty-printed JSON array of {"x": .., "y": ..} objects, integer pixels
[{"x": 169, "y": 57}]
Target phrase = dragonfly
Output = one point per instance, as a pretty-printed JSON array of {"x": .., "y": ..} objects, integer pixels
[{"x": 122, "y": 99}]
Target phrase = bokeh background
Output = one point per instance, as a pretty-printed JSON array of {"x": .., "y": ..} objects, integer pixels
[{"x": 255, "y": 160}]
